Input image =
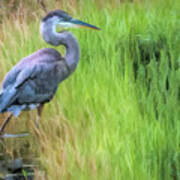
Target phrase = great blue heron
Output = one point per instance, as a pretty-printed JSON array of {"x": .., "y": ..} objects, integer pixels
[{"x": 34, "y": 80}]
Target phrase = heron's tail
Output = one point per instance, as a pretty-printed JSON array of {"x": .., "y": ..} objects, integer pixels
[{"x": 7, "y": 97}]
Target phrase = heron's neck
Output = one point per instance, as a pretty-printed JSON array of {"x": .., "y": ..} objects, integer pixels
[{"x": 48, "y": 31}]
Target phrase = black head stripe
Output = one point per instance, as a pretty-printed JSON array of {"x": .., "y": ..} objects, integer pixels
[{"x": 58, "y": 13}]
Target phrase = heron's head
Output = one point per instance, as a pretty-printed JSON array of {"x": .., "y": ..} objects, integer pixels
[{"x": 64, "y": 20}]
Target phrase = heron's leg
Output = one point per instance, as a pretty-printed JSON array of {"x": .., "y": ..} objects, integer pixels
[
  {"x": 39, "y": 112},
  {"x": 5, "y": 123}
]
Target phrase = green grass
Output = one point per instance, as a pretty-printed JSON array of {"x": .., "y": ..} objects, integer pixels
[{"x": 115, "y": 117}]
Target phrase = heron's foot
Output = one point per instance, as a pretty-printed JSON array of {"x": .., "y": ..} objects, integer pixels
[{"x": 13, "y": 135}]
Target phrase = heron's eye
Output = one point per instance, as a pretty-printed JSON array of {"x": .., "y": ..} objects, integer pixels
[{"x": 67, "y": 18}]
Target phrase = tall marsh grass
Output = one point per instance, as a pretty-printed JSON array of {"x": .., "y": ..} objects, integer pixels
[{"x": 118, "y": 115}]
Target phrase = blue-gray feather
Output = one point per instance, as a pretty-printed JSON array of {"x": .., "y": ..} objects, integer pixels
[{"x": 34, "y": 80}]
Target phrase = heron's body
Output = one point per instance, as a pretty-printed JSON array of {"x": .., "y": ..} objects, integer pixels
[{"x": 35, "y": 79}]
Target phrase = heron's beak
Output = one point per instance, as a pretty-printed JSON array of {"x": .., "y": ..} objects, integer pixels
[{"x": 81, "y": 24}]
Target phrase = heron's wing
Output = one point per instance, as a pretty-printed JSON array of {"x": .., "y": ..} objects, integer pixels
[
  {"x": 42, "y": 55},
  {"x": 42, "y": 82},
  {"x": 36, "y": 84},
  {"x": 34, "y": 80},
  {"x": 10, "y": 78},
  {"x": 10, "y": 85}
]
